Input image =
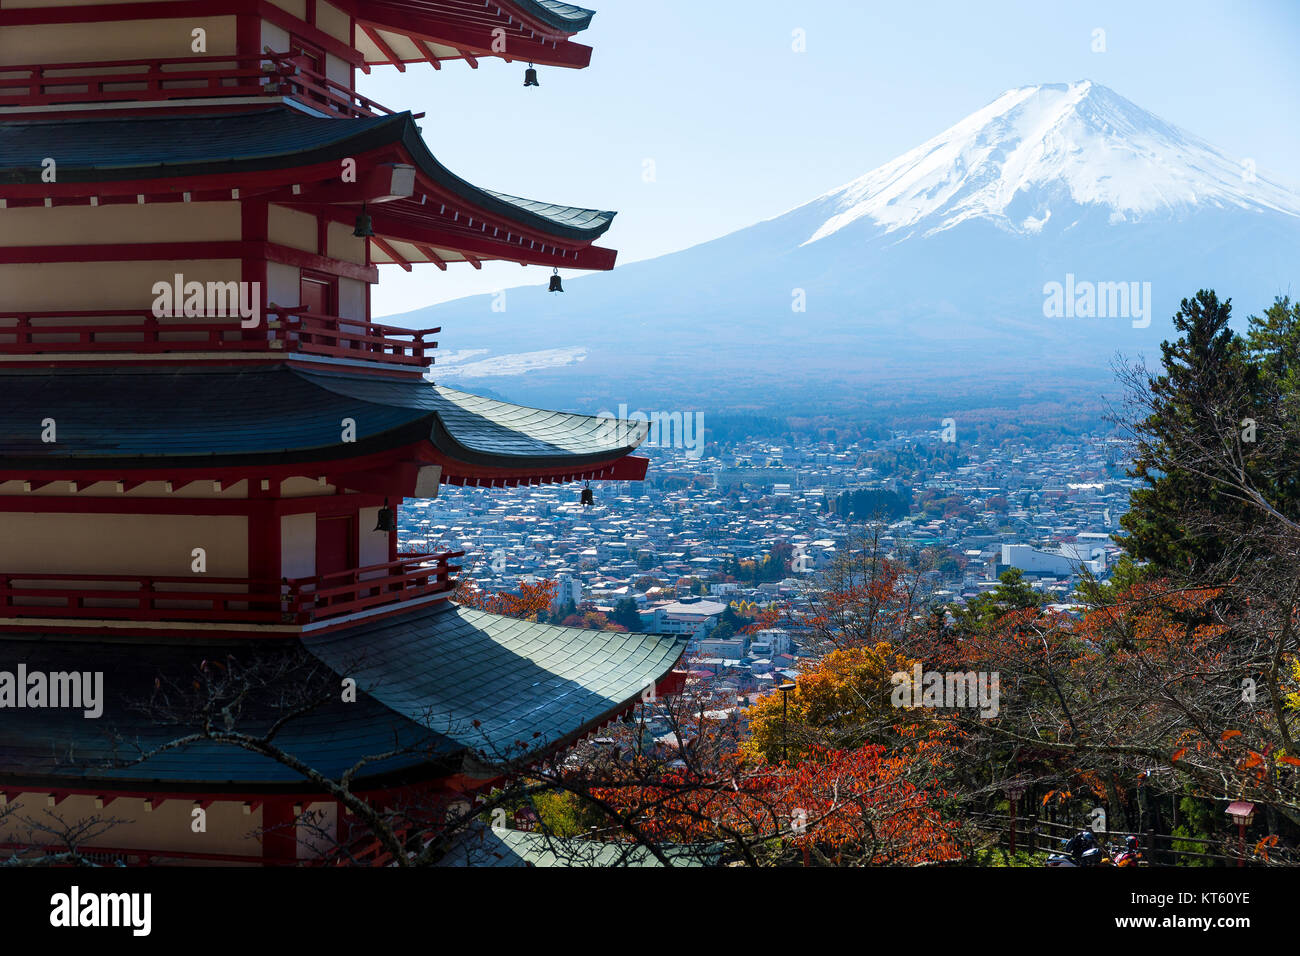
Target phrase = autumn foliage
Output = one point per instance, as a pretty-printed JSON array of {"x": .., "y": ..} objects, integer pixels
[{"x": 532, "y": 599}]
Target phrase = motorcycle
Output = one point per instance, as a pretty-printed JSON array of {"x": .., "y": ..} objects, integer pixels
[
  {"x": 1081, "y": 850},
  {"x": 1130, "y": 855}
]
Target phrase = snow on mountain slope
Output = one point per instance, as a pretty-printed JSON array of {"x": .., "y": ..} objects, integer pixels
[{"x": 1036, "y": 155}]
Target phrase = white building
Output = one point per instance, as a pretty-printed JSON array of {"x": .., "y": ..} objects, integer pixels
[
  {"x": 690, "y": 615},
  {"x": 726, "y": 648},
  {"x": 770, "y": 642},
  {"x": 567, "y": 588},
  {"x": 1067, "y": 560}
]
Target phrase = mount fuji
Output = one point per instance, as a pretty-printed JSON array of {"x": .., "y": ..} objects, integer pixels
[{"x": 937, "y": 266}]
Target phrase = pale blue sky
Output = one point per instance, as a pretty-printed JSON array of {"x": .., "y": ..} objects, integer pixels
[{"x": 742, "y": 128}]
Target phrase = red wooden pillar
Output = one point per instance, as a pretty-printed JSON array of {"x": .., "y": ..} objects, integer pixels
[
  {"x": 392, "y": 535},
  {"x": 254, "y": 227},
  {"x": 263, "y": 540},
  {"x": 248, "y": 34},
  {"x": 279, "y": 833}
]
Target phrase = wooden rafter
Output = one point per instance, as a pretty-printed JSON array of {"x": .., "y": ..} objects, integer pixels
[
  {"x": 429, "y": 253},
  {"x": 392, "y": 253},
  {"x": 428, "y": 52},
  {"x": 384, "y": 48}
]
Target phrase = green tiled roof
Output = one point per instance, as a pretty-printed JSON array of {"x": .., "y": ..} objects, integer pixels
[
  {"x": 500, "y": 847},
  {"x": 543, "y": 682},
  {"x": 425, "y": 677},
  {"x": 192, "y": 416},
  {"x": 107, "y": 149},
  {"x": 563, "y": 16}
]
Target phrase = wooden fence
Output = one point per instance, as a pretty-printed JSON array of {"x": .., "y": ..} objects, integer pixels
[{"x": 1038, "y": 835}]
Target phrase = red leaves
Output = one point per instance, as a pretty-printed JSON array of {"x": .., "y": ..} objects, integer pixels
[
  {"x": 531, "y": 600},
  {"x": 857, "y": 800}
]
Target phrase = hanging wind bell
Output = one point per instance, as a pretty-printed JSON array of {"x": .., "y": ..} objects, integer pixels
[
  {"x": 588, "y": 499},
  {"x": 530, "y": 76},
  {"x": 387, "y": 519},
  {"x": 555, "y": 281},
  {"x": 364, "y": 229}
]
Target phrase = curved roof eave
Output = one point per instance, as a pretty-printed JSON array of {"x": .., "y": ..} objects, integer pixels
[
  {"x": 196, "y": 417},
  {"x": 135, "y": 148},
  {"x": 569, "y": 222},
  {"x": 562, "y": 16},
  {"x": 444, "y": 683}
]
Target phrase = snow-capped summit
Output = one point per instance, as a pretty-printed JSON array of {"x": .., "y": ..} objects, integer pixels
[{"x": 1050, "y": 153}]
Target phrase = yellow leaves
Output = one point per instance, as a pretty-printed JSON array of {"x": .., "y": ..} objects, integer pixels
[
  {"x": 844, "y": 692},
  {"x": 1293, "y": 699}
]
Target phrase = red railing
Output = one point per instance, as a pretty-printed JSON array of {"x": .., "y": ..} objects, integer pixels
[
  {"x": 108, "y": 81},
  {"x": 350, "y": 338},
  {"x": 295, "y": 601},
  {"x": 139, "y": 331},
  {"x": 127, "y": 856}
]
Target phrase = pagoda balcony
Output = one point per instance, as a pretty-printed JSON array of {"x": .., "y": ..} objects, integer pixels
[
  {"x": 74, "y": 336},
  {"x": 108, "y": 82},
  {"x": 291, "y": 604}
]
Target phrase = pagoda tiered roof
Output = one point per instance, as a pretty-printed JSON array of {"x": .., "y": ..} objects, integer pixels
[
  {"x": 198, "y": 417},
  {"x": 457, "y": 689},
  {"x": 283, "y": 155},
  {"x": 404, "y": 31}
]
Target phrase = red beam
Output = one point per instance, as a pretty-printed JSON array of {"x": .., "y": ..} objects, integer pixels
[
  {"x": 483, "y": 246},
  {"x": 309, "y": 260},
  {"x": 429, "y": 253},
  {"x": 391, "y": 253},
  {"x": 384, "y": 48},
  {"x": 428, "y": 53},
  {"x": 243, "y": 250}
]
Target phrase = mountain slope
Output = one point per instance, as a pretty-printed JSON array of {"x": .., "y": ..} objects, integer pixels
[{"x": 931, "y": 268}]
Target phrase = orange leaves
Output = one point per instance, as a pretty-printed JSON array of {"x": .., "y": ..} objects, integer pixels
[
  {"x": 1229, "y": 734},
  {"x": 767, "y": 618},
  {"x": 1263, "y": 846},
  {"x": 1289, "y": 760},
  {"x": 1178, "y": 754},
  {"x": 532, "y": 599}
]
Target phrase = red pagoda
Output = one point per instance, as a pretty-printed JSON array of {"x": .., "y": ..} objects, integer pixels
[{"x": 204, "y": 438}]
